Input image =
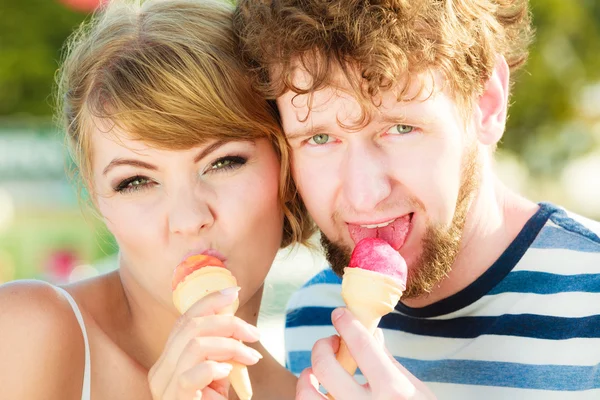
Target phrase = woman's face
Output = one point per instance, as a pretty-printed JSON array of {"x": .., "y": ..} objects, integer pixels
[{"x": 163, "y": 205}]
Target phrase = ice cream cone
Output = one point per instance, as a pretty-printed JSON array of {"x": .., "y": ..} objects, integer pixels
[
  {"x": 369, "y": 296},
  {"x": 200, "y": 282},
  {"x": 372, "y": 285}
]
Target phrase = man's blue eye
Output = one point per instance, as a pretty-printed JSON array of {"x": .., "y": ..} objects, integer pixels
[{"x": 319, "y": 139}]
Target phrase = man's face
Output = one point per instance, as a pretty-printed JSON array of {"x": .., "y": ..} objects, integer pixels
[{"x": 408, "y": 176}]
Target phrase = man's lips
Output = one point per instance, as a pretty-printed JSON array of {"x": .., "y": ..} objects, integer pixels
[{"x": 393, "y": 231}]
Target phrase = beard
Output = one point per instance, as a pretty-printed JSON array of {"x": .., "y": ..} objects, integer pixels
[{"x": 440, "y": 244}]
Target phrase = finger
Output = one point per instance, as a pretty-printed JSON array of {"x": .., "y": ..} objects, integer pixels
[
  {"x": 380, "y": 338},
  {"x": 225, "y": 326},
  {"x": 207, "y": 394},
  {"x": 202, "y": 375},
  {"x": 215, "y": 349},
  {"x": 307, "y": 387},
  {"x": 413, "y": 379},
  {"x": 216, "y": 302},
  {"x": 334, "y": 378},
  {"x": 216, "y": 326},
  {"x": 211, "y": 304},
  {"x": 378, "y": 335},
  {"x": 221, "y": 386},
  {"x": 369, "y": 354},
  {"x": 194, "y": 381},
  {"x": 424, "y": 391}
]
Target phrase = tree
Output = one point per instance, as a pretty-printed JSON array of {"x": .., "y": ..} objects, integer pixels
[
  {"x": 32, "y": 34},
  {"x": 546, "y": 125}
]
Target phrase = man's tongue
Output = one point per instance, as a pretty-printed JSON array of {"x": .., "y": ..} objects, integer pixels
[{"x": 394, "y": 233}]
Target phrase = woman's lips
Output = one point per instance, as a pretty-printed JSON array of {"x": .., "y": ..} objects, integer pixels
[
  {"x": 208, "y": 252},
  {"x": 395, "y": 232}
]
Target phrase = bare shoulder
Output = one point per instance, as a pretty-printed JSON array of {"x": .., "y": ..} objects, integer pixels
[{"x": 41, "y": 347}]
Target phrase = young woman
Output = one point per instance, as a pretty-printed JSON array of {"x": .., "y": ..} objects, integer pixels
[{"x": 179, "y": 157}]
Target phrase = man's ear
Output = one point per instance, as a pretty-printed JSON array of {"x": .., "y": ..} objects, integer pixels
[{"x": 491, "y": 106}]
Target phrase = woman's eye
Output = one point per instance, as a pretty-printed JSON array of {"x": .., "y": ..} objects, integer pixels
[
  {"x": 133, "y": 184},
  {"x": 226, "y": 163},
  {"x": 319, "y": 139},
  {"x": 401, "y": 129},
  {"x": 221, "y": 163}
]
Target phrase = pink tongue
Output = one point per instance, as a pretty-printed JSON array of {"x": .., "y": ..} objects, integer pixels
[
  {"x": 376, "y": 255},
  {"x": 394, "y": 234}
]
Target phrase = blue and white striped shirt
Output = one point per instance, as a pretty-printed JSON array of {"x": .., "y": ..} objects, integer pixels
[{"x": 528, "y": 328}]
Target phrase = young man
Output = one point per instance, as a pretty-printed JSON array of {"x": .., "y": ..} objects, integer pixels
[{"x": 393, "y": 110}]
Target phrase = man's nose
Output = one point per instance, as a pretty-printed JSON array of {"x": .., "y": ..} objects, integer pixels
[
  {"x": 189, "y": 212},
  {"x": 366, "y": 180}
]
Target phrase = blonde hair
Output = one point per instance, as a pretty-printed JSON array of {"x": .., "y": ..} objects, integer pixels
[
  {"x": 166, "y": 72},
  {"x": 381, "y": 44}
]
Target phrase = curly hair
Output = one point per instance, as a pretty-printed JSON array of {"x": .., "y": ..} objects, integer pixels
[
  {"x": 167, "y": 73},
  {"x": 380, "y": 44}
]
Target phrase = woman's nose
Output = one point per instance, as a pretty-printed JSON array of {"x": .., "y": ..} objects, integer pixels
[{"x": 189, "y": 213}]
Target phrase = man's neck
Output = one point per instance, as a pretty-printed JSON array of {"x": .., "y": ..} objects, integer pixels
[{"x": 495, "y": 218}]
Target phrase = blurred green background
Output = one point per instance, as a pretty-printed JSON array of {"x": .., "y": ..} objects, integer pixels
[{"x": 551, "y": 150}]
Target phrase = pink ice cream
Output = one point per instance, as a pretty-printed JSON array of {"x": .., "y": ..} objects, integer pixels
[{"x": 377, "y": 255}]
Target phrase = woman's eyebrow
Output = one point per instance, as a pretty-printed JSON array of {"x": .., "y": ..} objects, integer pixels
[
  {"x": 127, "y": 161},
  {"x": 209, "y": 149}
]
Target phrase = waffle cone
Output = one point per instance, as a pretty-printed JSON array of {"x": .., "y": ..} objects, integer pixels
[
  {"x": 195, "y": 286},
  {"x": 369, "y": 296}
]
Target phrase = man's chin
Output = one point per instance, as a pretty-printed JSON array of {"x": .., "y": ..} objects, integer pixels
[{"x": 337, "y": 255}]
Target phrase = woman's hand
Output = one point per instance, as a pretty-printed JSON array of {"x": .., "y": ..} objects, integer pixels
[
  {"x": 386, "y": 378},
  {"x": 193, "y": 364}
]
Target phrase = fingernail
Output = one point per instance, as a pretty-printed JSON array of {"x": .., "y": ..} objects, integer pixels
[
  {"x": 314, "y": 381},
  {"x": 254, "y": 331},
  {"x": 198, "y": 395},
  {"x": 337, "y": 314},
  {"x": 255, "y": 353},
  {"x": 230, "y": 291},
  {"x": 222, "y": 370},
  {"x": 336, "y": 342},
  {"x": 379, "y": 336}
]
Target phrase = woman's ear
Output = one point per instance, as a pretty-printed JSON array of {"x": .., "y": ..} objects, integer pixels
[{"x": 492, "y": 105}]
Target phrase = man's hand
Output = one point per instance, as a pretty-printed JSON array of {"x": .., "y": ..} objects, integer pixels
[{"x": 386, "y": 378}]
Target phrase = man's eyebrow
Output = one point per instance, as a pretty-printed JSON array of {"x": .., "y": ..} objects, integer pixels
[
  {"x": 127, "y": 161},
  {"x": 393, "y": 119},
  {"x": 306, "y": 132},
  {"x": 403, "y": 119}
]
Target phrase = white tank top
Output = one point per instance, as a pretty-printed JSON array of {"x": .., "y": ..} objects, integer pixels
[{"x": 87, "y": 373}]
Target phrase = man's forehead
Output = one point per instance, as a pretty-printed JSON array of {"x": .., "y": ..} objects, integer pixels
[
  {"x": 326, "y": 99},
  {"x": 338, "y": 100},
  {"x": 418, "y": 86}
]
